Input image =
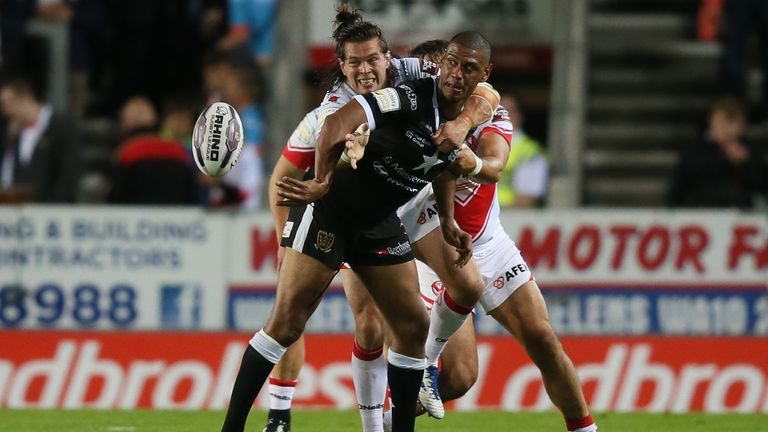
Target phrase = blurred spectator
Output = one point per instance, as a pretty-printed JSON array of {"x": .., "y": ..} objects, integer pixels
[
  {"x": 179, "y": 115},
  {"x": 740, "y": 20},
  {"x": 721, "y": 170},
  {"x": 242, "y": 91},
  {"x": 217, "y": 69},
  {"x": 150, "y": 169},
  {"x": 41, "y": 157},
  {"x": 252, "y": 29},
  {"x": 524, "y": 180},
  {"x": 212, "y": 24}
]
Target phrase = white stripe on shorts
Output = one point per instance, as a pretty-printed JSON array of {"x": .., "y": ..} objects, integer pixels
[{"x": 303, "y": 229}]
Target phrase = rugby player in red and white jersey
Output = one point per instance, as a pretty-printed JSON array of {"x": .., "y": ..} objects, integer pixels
[
  {"x": 511, "y": 295},
  {"x": 365, "y": 67}
]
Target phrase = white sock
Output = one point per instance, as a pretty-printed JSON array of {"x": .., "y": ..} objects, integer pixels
[
  {"x": 369, "y": 374},
  {"x": 281, "y": 393},
  {"x": 445, "y": 319},
  {"x": 267, "y": 347},
  {"x": 388, "y": 421}
]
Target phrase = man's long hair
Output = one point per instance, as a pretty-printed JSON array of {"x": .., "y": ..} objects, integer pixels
[{"x": 350, "y": 27}]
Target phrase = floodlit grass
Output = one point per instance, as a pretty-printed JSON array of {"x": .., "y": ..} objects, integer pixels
[{"x": 340, "y": 421}]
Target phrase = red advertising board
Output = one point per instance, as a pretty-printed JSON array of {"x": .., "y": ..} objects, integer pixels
[{"x": 196, "y": 371}]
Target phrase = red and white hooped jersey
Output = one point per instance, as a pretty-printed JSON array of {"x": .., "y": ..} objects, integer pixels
[
  {"x": 300, "y": 149},
  {"x": 476, "y": 205}
]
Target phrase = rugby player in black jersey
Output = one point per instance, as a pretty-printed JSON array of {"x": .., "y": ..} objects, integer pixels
[{"x": 350, "y": 216}]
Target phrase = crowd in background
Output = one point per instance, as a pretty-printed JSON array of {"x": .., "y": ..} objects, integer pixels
[{"x": 153, "y": 65}]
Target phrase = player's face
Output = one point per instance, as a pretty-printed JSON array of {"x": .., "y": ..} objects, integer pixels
[
  {"x": 365, "y": 66},
  {"x": 462, "y": 68}
]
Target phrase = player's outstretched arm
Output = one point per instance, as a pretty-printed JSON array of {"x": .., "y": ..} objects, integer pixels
[
  {"x": 444, "y": 188},
  {"x": 480, "y": 107},
  {"x": 329, "y": 147}
]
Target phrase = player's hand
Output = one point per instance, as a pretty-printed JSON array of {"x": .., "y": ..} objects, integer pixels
[
  {"x": 459, "y": 239},
  {"x": 465, "y": 161},
  {"x": 356, "y": 142},
  {"x": 451, "y": 134},
  {"x": 296, "y": 192}
]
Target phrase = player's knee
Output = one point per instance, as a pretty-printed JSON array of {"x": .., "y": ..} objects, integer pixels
[
  {"x": 541, "y": 341},
  {"x": 286, "y": 333},
  {"x": 413, "y": 330},
  {"x": 369, "y": 333},
  {"x": 465, "y": 291}
]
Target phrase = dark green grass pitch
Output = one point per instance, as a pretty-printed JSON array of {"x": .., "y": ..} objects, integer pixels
[{"x": 341, "y": 421}]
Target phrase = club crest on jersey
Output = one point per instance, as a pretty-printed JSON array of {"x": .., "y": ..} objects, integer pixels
[
  {"x": 325, "y": 240},
  {"x": 437, "y": 288}
]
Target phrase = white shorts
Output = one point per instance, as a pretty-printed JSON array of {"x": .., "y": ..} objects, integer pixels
[
  {"x": 501, "y": 266},
  {"x": 419, "y": 215}
]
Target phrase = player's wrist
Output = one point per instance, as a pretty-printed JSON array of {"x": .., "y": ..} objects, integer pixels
[
  {"x": 478, "y": 166},
  {"x": 345, "y": 157},
  {"x": 466, "y": 120}
]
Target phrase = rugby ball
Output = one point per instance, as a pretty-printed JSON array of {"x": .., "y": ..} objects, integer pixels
[{"x": 217, "y": 139}]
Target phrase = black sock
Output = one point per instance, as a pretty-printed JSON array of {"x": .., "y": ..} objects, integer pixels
[
  {"x": 282, "y": 415},
  {"x": 254, "y": 371},
  {"x": 404, "y": 388}
]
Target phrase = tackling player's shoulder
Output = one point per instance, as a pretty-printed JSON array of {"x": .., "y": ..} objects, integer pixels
[{"x": 501, "y": 114}]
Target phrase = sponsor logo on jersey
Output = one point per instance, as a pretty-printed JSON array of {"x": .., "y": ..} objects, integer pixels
[
  {"x": 399, "y": 250},
  {"x": 515, "y": 270},
  {"x": 416, "y": 138},
  {"x": 387, "y": 99},
  {"x": 325, "y": 240},
  {"x": 499, "y": 282},
  {"x": 333, "y": 98},
  {"x": 429, "y": 213},
  {"x": 411, "y": 96},
  {"x": 380, "y": 169}
]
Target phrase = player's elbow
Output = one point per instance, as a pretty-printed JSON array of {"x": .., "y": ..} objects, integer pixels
[{"x": 492, "y": 173}]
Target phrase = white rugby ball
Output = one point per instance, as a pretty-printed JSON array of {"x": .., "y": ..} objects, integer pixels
[{"x": 217, "y": 139}]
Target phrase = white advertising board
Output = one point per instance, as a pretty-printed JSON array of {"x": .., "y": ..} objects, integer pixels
[{"x": 111, "y": 267}]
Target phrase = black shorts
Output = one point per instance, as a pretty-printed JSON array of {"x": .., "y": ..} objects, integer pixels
[{"x": 314, "y": 230}]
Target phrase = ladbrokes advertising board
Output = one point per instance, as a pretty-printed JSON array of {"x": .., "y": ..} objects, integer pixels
[{"x": 169, "y": 370}]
